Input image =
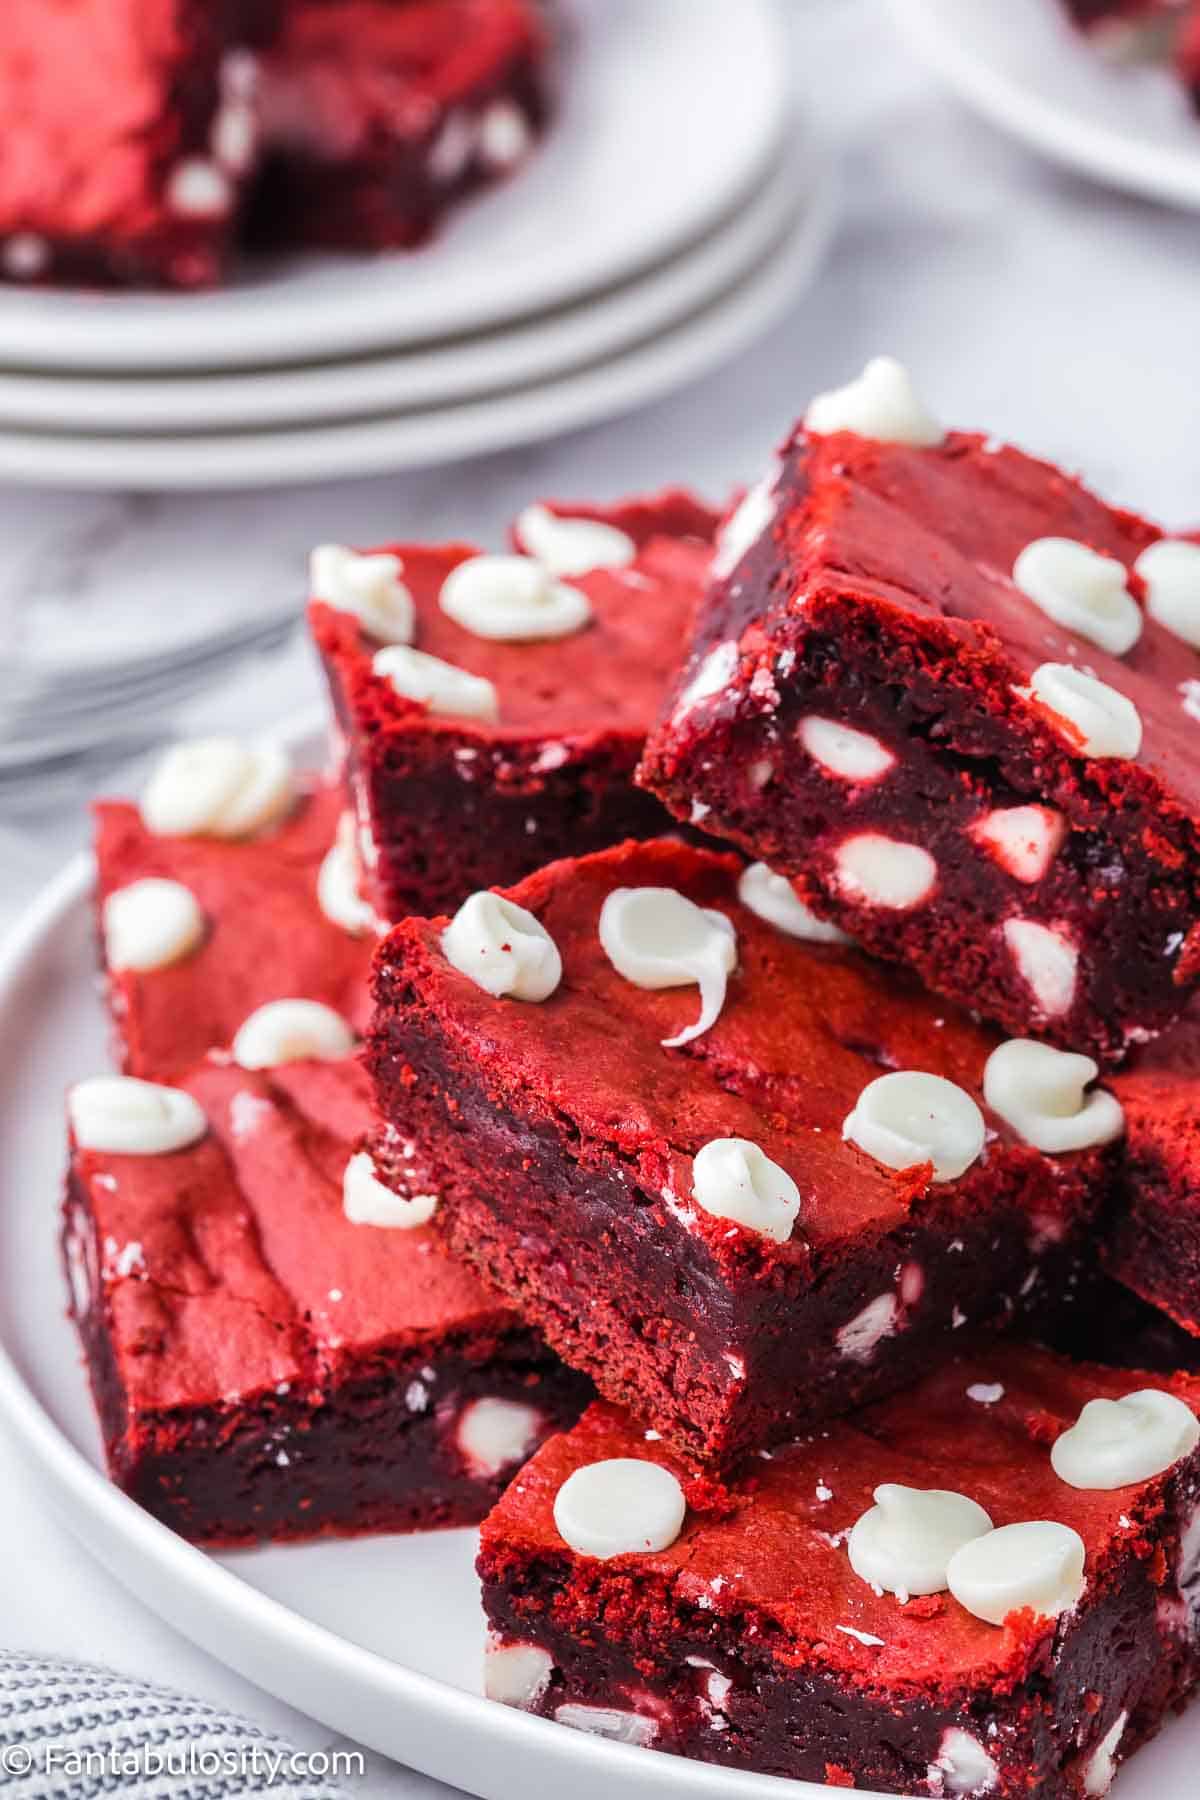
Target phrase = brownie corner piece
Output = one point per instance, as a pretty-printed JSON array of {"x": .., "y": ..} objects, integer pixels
[
  {"x": 527, "y": 750},
  {"x": 566, "y": 1134},
  {"x": 768, "y": 1627},
  {"x": 951, "y": 695}
]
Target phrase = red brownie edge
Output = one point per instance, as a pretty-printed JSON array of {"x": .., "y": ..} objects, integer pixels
[
  {"x": 749, "y": 1642},
  {"x": 559, "y": 1135},
  {"x": 446, "y": 804}
]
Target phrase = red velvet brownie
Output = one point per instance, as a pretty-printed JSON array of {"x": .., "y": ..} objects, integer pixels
[
  {"x": 524, "y": 748},
  {"x": 953, "y": 697},
  {"x": 130, "y": 129},
  {"x": 688, "y": 1224},
  {"x": 261, "y": 934},
  {"x": 380, "y": 116},
  {"x": 1030, "y": 1648},
  {"x": 1153, "y": 1243},
  {"x": 277, "y": 1344},
  {"x": 262, "y": 1366}
]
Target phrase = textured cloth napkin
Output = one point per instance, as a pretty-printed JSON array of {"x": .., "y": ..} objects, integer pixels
[{"x": 69, "y": 1731}]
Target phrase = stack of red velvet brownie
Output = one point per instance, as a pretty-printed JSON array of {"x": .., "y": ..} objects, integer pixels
[{"x": 782, "y": 1018}]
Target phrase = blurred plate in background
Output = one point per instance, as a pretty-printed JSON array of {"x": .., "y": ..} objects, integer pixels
[
  {"x": 425, "y": 375},
  {"x": 670, "y": 114},
  {"x": 1022, "y": 64},
  {"x": 371, "y": 442}
]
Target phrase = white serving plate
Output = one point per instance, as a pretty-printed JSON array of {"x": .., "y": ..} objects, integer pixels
[
  {"x": 670, "y": 110},
  {"x": 428, "y": 375},
  {"x": 379, "y": 1638},
  {"x": 1022, "y": 64},
  {"x": 422, "y": 438}
]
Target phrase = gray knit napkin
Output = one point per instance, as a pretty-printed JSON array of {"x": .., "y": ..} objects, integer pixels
[{"x": 72, "y": 1732}]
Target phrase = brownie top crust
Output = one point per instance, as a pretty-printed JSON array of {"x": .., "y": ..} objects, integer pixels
[
  {"x": 98, "y": 96},
  {"x": 265, "y": 936},
  {"x": 769, "y": 1553},
  {"x": 230, "y": 1266},
  {"x": 605, "y": 679},
  {"x": 803, "y": 1029},
  {"x": 925, "y": 539}
]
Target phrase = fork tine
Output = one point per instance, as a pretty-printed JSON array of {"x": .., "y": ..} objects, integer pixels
[{"x": 157, "y": 681}]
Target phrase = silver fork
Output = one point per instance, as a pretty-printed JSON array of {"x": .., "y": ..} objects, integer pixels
[
  {"x": 57, "y": 722},
  {"x": 67, "y": 706}
]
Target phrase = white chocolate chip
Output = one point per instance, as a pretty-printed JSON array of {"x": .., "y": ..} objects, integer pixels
[
  {"x": 285, "y": 1031},
  {"x": 609, "y": 1722},
  {"x": 1171, "y": 572},
  {"x": 1101, "y": 1768},
  {"x": 619, "y": 1507},
  {"x": 133, "y": 1118},
  {"x": 240, "y": 74},
  {"x": 233, "y": 139},
  {"x": 1081, "y": 591},
  {"x": 712, "y": 677},
  {"x": 368, "y": 585},
  {"x": 658, "y": 938},
  {"x": 573, "y": 546},
  {"x": 905, "y": 1541},
  {"x": 494, "y": 1435},
  {"x": 745, "y": 525},
  {"x": 1023, "y": 839},
  {"x": 963, "y": 1767},
  {"x": 443, "y": 688},
  {"x": 860, "y": 1337},
  {"x": 25, "y": 255},
  {"x": 368, "y": 1201},
  {"x": 884, "y": 872},
  {"x": 516, "y": 1674},
  {"x": 880, "y": 404},
  {"x": 150, "y": 924},
  {"x": 773, "y": 898},
  {"x": 453, "y": 147},
  {"x": 513, "y": 599},
  {"x": 217, "y": 787},
  {"x": 1115, "y": 1443},
  {"x": 337, "y": 883},
  {"x": 502, "y": 948},
  {"x": 1042, "y": 1093},
  {"x": 1047, "y": 961},
  {"x": 908, "y": 1118},
  {"x": 1100, "y": 721},
  {"x": 504, "y": 135},
  {"x": 733, "y": 1179},
  {"x": 1037, "y": 1564},
  {"x": 850, "y": 755},
  {"x": 197, "y": 189}
]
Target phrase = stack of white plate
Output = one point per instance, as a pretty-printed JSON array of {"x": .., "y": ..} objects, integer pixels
[{"x": 671, "y": 213}]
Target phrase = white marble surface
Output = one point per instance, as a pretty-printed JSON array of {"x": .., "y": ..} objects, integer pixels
[{"x": 1034, "y": 304}]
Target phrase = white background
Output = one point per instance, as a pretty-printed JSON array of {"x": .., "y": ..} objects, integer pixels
[{"x": 1027, "y": 302}]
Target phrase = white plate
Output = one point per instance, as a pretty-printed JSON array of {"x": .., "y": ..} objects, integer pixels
[
  {"x": 378, "y": 1638},
  {"x": 421, "y": 439},
  {"x": 1022, "y": 64},
  {"x": 433, "y": 375},
  {"x": 670, "y": 110}
]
